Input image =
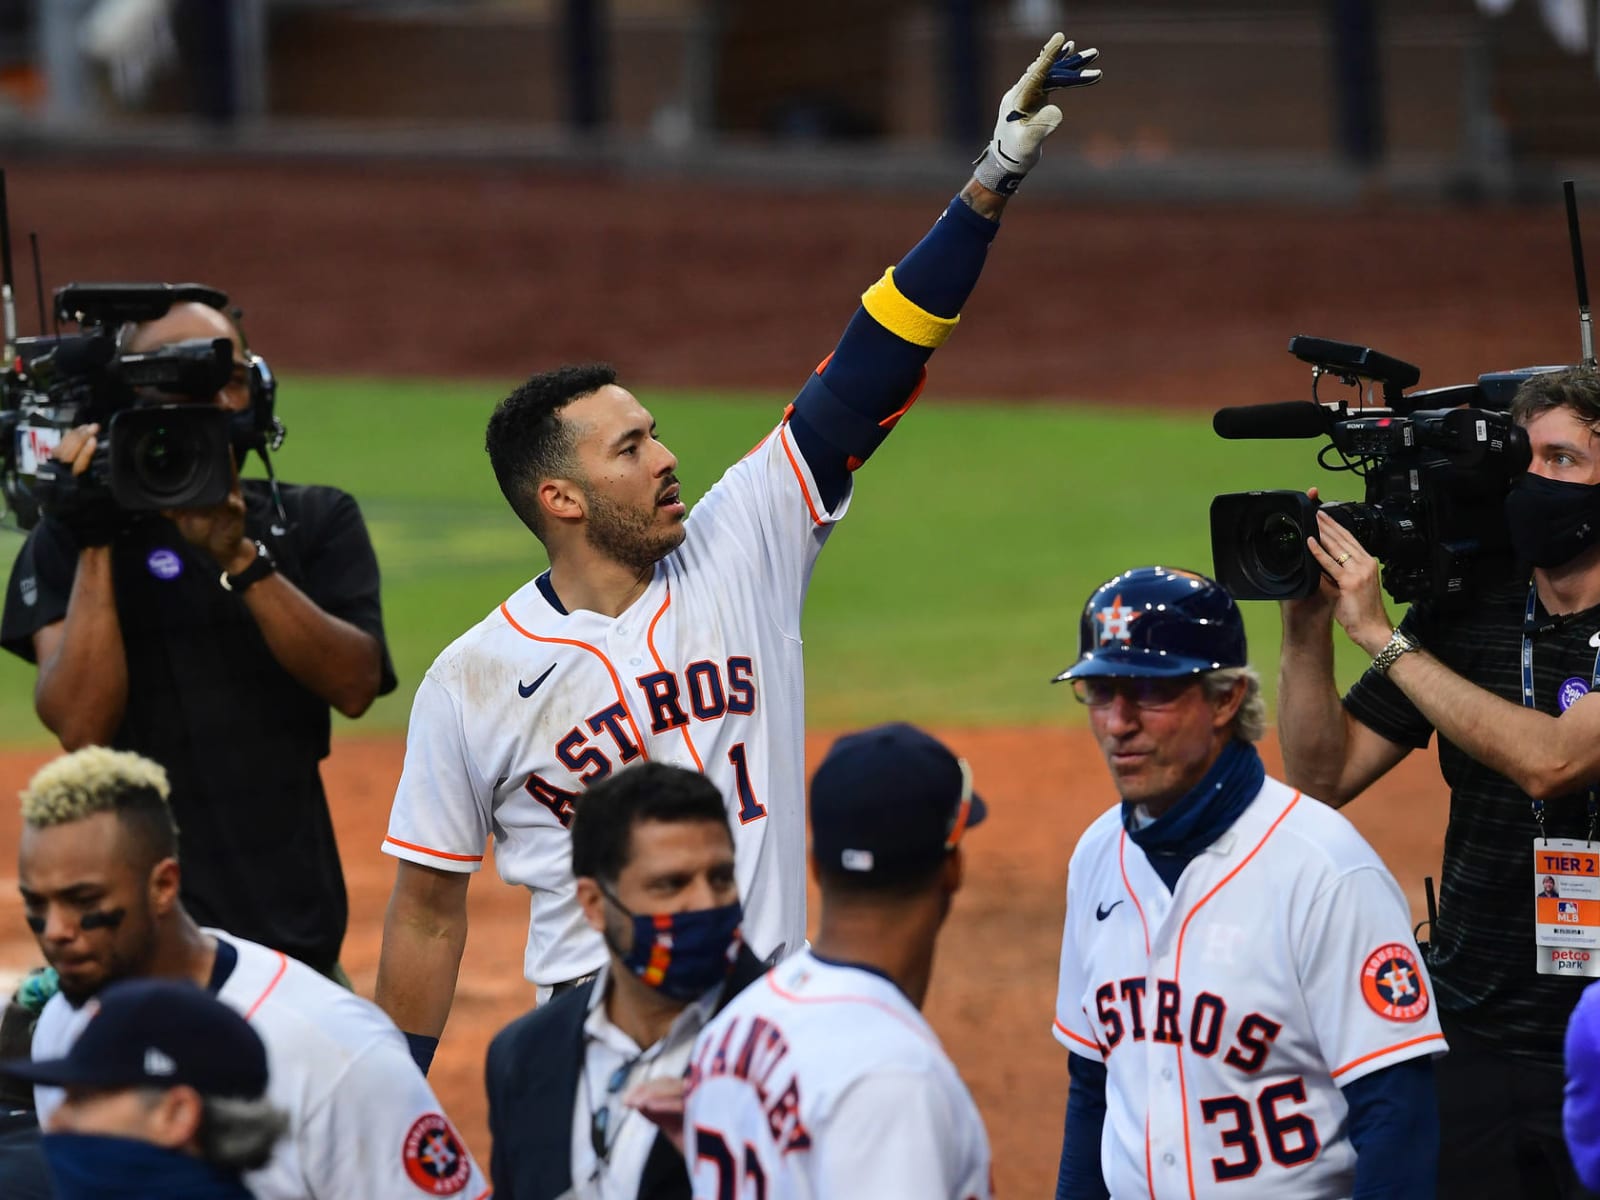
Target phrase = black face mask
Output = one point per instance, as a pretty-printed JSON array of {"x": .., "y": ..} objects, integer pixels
[{"x": 1552, "y": 521}]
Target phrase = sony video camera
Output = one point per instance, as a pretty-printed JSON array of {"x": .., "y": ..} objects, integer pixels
[
  {"x": 158, "y": 448},
  {"x": 1437, "y": 465}
]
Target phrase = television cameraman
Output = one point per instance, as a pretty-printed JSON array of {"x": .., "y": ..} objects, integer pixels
[
  {"x": 1506, "y": 684},
  {"x": 214, "y": 641}
]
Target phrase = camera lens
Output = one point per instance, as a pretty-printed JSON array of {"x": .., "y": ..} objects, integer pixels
[
  {"x": 1275, "y": 545},
  {"x": 165, "y": 459}
]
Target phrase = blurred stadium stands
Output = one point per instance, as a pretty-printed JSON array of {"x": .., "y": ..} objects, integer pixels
[{"x": 1314, "y": 99}]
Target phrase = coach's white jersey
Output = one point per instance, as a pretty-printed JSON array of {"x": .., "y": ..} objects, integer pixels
[
  {"x": 532, "y": 705},
  {"x": 363, "y": 1122},
  {"x": 1230, "y": 1011},
  {"x": 821, "y": 1081}
]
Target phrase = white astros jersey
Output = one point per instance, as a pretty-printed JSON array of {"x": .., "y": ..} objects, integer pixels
[
  {"x": 821, "y": 1081},
  {"x": 532, "y": 705},
  {"x": 1231, "y": 1011},
  {"x": 363, "y": 1122}
]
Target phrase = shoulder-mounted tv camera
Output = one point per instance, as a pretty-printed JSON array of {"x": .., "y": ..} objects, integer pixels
[
  {"x": 163, "y": 442},
  {"x": 1437, "y": 464}
]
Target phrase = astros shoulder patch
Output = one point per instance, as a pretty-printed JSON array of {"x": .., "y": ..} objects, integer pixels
[
  {"x": 434, "y": 1157},
  {"x": 1392, "y": 983}
]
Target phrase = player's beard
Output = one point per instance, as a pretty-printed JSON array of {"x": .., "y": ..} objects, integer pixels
[{"x": 626, "y": 535}]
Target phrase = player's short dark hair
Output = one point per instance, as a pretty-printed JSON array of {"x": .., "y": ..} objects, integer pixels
[
  {"x": 527, "y": 440},
  {"x": 1577, "y": 388},
  {"x": 602, "y": 829}
]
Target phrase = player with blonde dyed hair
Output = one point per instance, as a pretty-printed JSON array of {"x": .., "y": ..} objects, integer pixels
[
  {"x": 94, "y": 779},
  {"x": 99, "y": 876}
]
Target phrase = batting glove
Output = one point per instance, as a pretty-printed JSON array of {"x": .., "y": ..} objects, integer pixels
[{"x": 1026, "y": 120}]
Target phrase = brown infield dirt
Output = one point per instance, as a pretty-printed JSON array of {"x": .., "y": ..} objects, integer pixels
[{"x": 498, "y": 271}]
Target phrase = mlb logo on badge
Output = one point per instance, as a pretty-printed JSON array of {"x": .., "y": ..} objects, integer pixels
[{"x": 1567, "y": 910}]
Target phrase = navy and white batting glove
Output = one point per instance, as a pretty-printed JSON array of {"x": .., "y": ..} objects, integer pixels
[{"x": 1026, "y": 120}]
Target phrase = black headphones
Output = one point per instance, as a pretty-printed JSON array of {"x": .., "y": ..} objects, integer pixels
[{"x": 258, "y": 427}]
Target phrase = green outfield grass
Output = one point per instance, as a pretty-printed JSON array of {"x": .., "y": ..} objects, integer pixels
[{"x": 950, "y": 594}]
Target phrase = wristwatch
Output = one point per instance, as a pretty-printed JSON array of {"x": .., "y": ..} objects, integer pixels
[
  {"x": 1397, "y": 645},
  {"x": 254, "y": 573}
]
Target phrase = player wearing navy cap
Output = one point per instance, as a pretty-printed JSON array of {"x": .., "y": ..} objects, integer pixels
[
  {"x": 1246, "y": 1009},
  {"x": 823, "y": 1079},
  {"x": 164, "y": 1096}
]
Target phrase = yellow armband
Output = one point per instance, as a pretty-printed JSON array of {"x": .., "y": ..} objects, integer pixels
[{"x": 888, "y": 307}]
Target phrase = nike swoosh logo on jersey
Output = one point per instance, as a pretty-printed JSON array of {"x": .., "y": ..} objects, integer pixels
[
  {"x": 1100, "y": 914},
  {"x": 527, "y": 689},
  {"x": 1594, "y": 639}
]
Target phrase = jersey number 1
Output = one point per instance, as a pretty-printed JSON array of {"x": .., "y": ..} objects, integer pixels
[{"x": 750, "y": 809}]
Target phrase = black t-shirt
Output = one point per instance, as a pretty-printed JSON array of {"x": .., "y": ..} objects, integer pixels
[
  {"x": 1482, "y": 954},
  {"x": 239, "y": 737}
]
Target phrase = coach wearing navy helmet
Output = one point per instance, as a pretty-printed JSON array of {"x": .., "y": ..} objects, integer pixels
[{"x": 1240, "y": 991}]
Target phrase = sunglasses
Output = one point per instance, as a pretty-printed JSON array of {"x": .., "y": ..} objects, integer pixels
[{"x": 1162, "y": 692}]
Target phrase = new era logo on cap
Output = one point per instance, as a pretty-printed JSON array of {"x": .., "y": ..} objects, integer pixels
[
  {"x": 157, "y": 1063},
  {"x": 856, "y": 860}
]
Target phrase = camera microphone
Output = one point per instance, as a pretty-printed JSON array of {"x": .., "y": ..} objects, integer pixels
[{"x": 1289, "y": 419}]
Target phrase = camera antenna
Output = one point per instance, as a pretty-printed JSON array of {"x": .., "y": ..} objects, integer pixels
[
  {"x": 7, "y": 293},
  {"x": 38, "y": 275},
  {"x": 1585, "y": 325}
]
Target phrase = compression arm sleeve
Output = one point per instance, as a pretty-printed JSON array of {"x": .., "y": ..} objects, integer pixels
[
  {"x": 1080, "y": 1177},
  {"x": 876, "y": 370},
  {"x": 1394, "y": 1127}
]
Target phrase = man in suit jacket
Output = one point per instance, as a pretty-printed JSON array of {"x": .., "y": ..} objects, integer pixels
[{"x": 653, "y": 861}]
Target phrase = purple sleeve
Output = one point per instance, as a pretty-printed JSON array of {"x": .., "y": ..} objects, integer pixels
[{"x": 1580, "y": 1113}]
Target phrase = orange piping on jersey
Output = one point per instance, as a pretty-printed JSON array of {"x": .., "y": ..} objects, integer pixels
[
  {"x": 783, "y": 437},
  {"x": 616, "y": 682},
  {"x": 485, "y": 1194},
  {"x": 1356, "y": 1062},
  {"x": 436, "y": 853},
  {"x": 867, "y": 1000},
  {"x": 283, "y": 965},
  {"x": 1122, "y": 865},
  {"x": 1177, "y": 970},
  {"x": 650, "y": 640},
  {"x": 853, "y": 463},
  {"x": 1079, "y": 1038}
]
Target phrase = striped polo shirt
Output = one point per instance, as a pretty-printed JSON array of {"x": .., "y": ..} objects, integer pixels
[{"x": 1482, "y": 954}]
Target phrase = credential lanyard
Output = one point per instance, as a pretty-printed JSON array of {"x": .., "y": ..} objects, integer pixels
[{"x": 1527, "y": 702}]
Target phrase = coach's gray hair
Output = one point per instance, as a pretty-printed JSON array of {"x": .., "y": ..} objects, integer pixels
[
  {"x": 1250, "y": 722},
  {"x": 238, "y": 1135}
]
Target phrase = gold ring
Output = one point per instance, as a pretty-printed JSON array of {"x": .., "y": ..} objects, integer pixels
[{"x": 1343, "y": 558}]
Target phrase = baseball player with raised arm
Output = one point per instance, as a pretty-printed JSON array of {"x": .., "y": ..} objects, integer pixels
[
  {"x": 822, "y": 1079},
  {"x": 99, "y": 879},
  {"x": 659, "y": 637},
  {"x": 1245, "y": 1006}
]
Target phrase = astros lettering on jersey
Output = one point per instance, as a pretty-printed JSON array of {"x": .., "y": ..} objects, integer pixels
[
  {"x": 822, "y": 1080},
  {"x": 1230, "y": 1011},
  {"x": 362, "y": 1119},
  {"x": 534, "y": 704}
]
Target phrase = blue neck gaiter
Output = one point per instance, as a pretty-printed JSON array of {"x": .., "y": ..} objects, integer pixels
[
  {"x": 1209, "y": 809},
  {"x": 91, "y": 1167}
]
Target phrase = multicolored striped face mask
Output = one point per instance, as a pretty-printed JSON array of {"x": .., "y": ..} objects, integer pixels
[{"x": 682, "y": 954}]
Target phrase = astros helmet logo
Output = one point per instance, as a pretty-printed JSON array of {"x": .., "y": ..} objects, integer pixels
[{"x": 1116, "y": 622}]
